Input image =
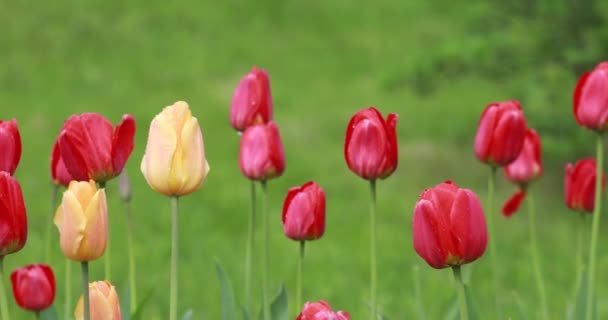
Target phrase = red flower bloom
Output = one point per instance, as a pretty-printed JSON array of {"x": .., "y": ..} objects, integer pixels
[
  {"x": 13, "y": 218},
  {"x": 252, "y": 101},
  {"x": 34, "y": 287},
  {"x": 92, "y": 149},
  {"x": 261, "y": 154},
  {"x": 59, "y": 172},
  {"x": 10, "y": 144},
  {"x": 370, "y": 147},
  {"x": 321, "y": 311},
  {"x": 579, "y": 185},
  {"x": 449, "y": 227},
  {"x": 304, "y": 212},
  {"x": 591, "y": 99},
  {"x": 501, "y": 132}
]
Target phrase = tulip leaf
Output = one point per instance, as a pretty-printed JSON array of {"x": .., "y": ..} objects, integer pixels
[
  {"x": 126, "y": 304},
  {"x": 228, "y": 304},
  {"x": 187, "y": 315},
  {"x": 246, "y": 315},
  {"x": 279, "y": 307},
  {"x": 49, "y": 314},
  {"x": 138, "y": 314},
  {"x": 521, "y": 307},
  {"x": 453, "y": 310},
  {"x": 580, "y": 308}
]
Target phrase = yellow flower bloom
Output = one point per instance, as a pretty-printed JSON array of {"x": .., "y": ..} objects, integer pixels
[{"x": 103, "y": 301}]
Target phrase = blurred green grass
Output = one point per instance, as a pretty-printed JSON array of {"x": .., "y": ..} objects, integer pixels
[{"x": 326, "y": 60}]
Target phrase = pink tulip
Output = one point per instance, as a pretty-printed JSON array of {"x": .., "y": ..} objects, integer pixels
[
  {"x": 591, "y": 99},
  {"x": 261, "y": 155},
  {"x": 252, "y": 101},
  {"x": 321, "y": 311},
  {"x": 304, "y": 212},
  {"x": 10, "y": 144}
]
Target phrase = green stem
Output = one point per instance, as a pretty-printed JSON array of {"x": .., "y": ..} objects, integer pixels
[
  {"x": 131, "y": 249},
  {"x": 249, "y": 253},
  {"x": 490, "y": 220},
  {"x": 418, "y": 294},
  {"x": 540, "y": 284},
  {"x": 49, "y": 223},
  {"x": 85, "y": 289},
  {"x": 106, "y": 255},
  {"x": 372, "y": 226},
  {"x": 300, "y": 263},
  {"x": 3, "y": 299},
  {"x": 37, "y": 315},
  {"x": 68, "y": 289},
  {"x": 579, "y": 250},
  {"x": 265, "y": 262},
  {"x": 464, "y": 312},
  {"x": 597, "y": 209},
  {"x": 174, "y": 258}
]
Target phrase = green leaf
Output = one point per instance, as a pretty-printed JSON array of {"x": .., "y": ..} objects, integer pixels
[
  {"x": 228, "y": 304},
  {"x": 49, "y": 314},
  {"x": 246, "y": 315},
  {"x": 187, "y": 315},
  {"x": 471, "y": 306},
  {"x": 580, "y": 307},
  {"x": 140, "y": 308},
  {"x": 279, "y": 307},
  {"x": 521, "y": 307},
  {"x": 126, "y": 303},
  {"x": 453, "y": 310}
]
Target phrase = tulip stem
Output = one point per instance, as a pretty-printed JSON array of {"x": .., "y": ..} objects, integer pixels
[
  {"x": 49, "y": 224},
  {"x": 490, "y": 219},
  {"x": 597, "y": 209},
  {"x": 249, "y": 253},
  {"x": 265, "y": 298},
  {"x": 300, "y": 263},
  {"x": 102, "y": 185},
  {"x": 85, "y": 289},
  {"x": 579, "y": 250},
  {"x": 37, "y": 315},
  {"x": 133, "y": 298},
  {"x": 174, "y": 258},
  {"x": 372, "y": 225},
  {"x": 418, "y": 293},
  {"x": 535, "y": 255},
  {"x": 68, "y": 288},
  {"x": 464, "y": 312},
  {"x": 3, "y": 299}
]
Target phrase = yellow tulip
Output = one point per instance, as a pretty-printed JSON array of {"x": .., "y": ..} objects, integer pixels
[
  {"x": 103, "y": 302},
  {"x": 82, "y": 220},
  {"x": 174, "y": 163}
]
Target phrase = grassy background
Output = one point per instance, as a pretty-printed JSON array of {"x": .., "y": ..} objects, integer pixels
[{"x": 435, "y": 63}]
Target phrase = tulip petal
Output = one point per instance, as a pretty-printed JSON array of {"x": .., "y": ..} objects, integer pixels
[
  {"x": 484, "y": 135},
  {"x": 10, "y": 144},
  {"x": 366, "y": 148},
  {"x": 101, "y": 309},
  {"x": 95, "y": 232},
  {"x": 509, "y": 137},
  {"x": 478, "y": 231},
  {"x": 425, "y": 229},
  {"x": 157, "y": 162},
  {"x": 72, "y": 158},
  {"x": 122, "y": 143},
  {"x": 512, "y": 205},
  {"x": 71, "y": 226},
  {"x": 194, "y": 167}
]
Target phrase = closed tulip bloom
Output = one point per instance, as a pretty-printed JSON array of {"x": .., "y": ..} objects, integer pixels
[
  {"x": 10, "y": 144},
  {"x": 82, "y": 220},
  {"x": 59, "y": 173},
  {"x": 174, "y": 163},
  {"x": 321, "y": 311},
  {"x": 501, "y": 132},
  {"x": 449, "y": 227},
  {"x": 591, "y": 99},
  {"x": 252, "y": 101},
  {"x": 13, "y": 217},
  {"x": 370, "y": 147},
  {"x": 103, "y": 301},
  {"x": 304, "y": 212},
  {"x": 34, "y": 287},
  {"x": 579, "y": 185},
  {"x": 92, "y": 149},
  {"x": 261, "y": 154}
]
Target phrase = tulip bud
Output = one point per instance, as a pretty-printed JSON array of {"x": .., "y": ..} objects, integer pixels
[
  {"x": 579, "y": 185},
  {"x": 103, "y": 301},
  {"x": 10, "y": 144},
  {"x": 449, "y": 227},
  {"x": 501, "y": 132},
  {"x": 321, "y": 311},
  {"x": 124, "y": 187},
  {"x": 370, "y": 147},
  {"x": 591, "y": 99},
  {"x": 261, "y": 154},
  {"x": 174, "y": 163},
  {"x": 304, "y": 212},
  {"x": 82, "y": 220},
  {"x": 34, "y": 287},
  {"x": 252, "y": 101},
  {"x": 59, "y": 172},
  {"x": 13, "y": 217},
  {"x": 92, "y": 149}
]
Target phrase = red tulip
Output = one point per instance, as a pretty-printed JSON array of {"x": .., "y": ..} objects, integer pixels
[
  {"x": 92, "y": 149},
  {"x": 252, "y": 101},
  {"x": 34, "y": 287},
  {"x": 10, "y": 144},
  {"x": 59, "y": 172},
  {"x": 370, "y": 147},
  {"x": 13, "y": 219},
  {"x": 526, "y": 168},
  {"x": 304, "y": 212},
  {"x": 261, "y": 155},
  {"x": 501, "y": 132},
  {"x": 449, "y": 227},
  {"x": 321, "y": 311},
  {"x": 579, "y": 185},
  {"x": 591, "y": 99}
]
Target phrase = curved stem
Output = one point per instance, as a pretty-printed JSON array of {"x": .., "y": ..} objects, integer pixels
[
  {"x": 265, "y": 297},
  {"x": 3, "y": 297},
  {"x": 249, "y": 253},
  {"x": 597, "y": 209},
  {"x": 372, "y": 226},
  {"x": 68, "y": 289},
  {"x": 490, "y": 220},
  {"x": 535, "y": 256},
  {"x": 49, "y": 224},
  {"x": 464, "y": 312},
  {"x": 300, "y": 263},
  {"x": 85, "y": 289},
  {"x": 174, "y": 258},
  {"x": 131, "y": 250}
]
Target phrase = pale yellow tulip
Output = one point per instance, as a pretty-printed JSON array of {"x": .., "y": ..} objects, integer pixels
[{"x": 103, "y": 301}]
